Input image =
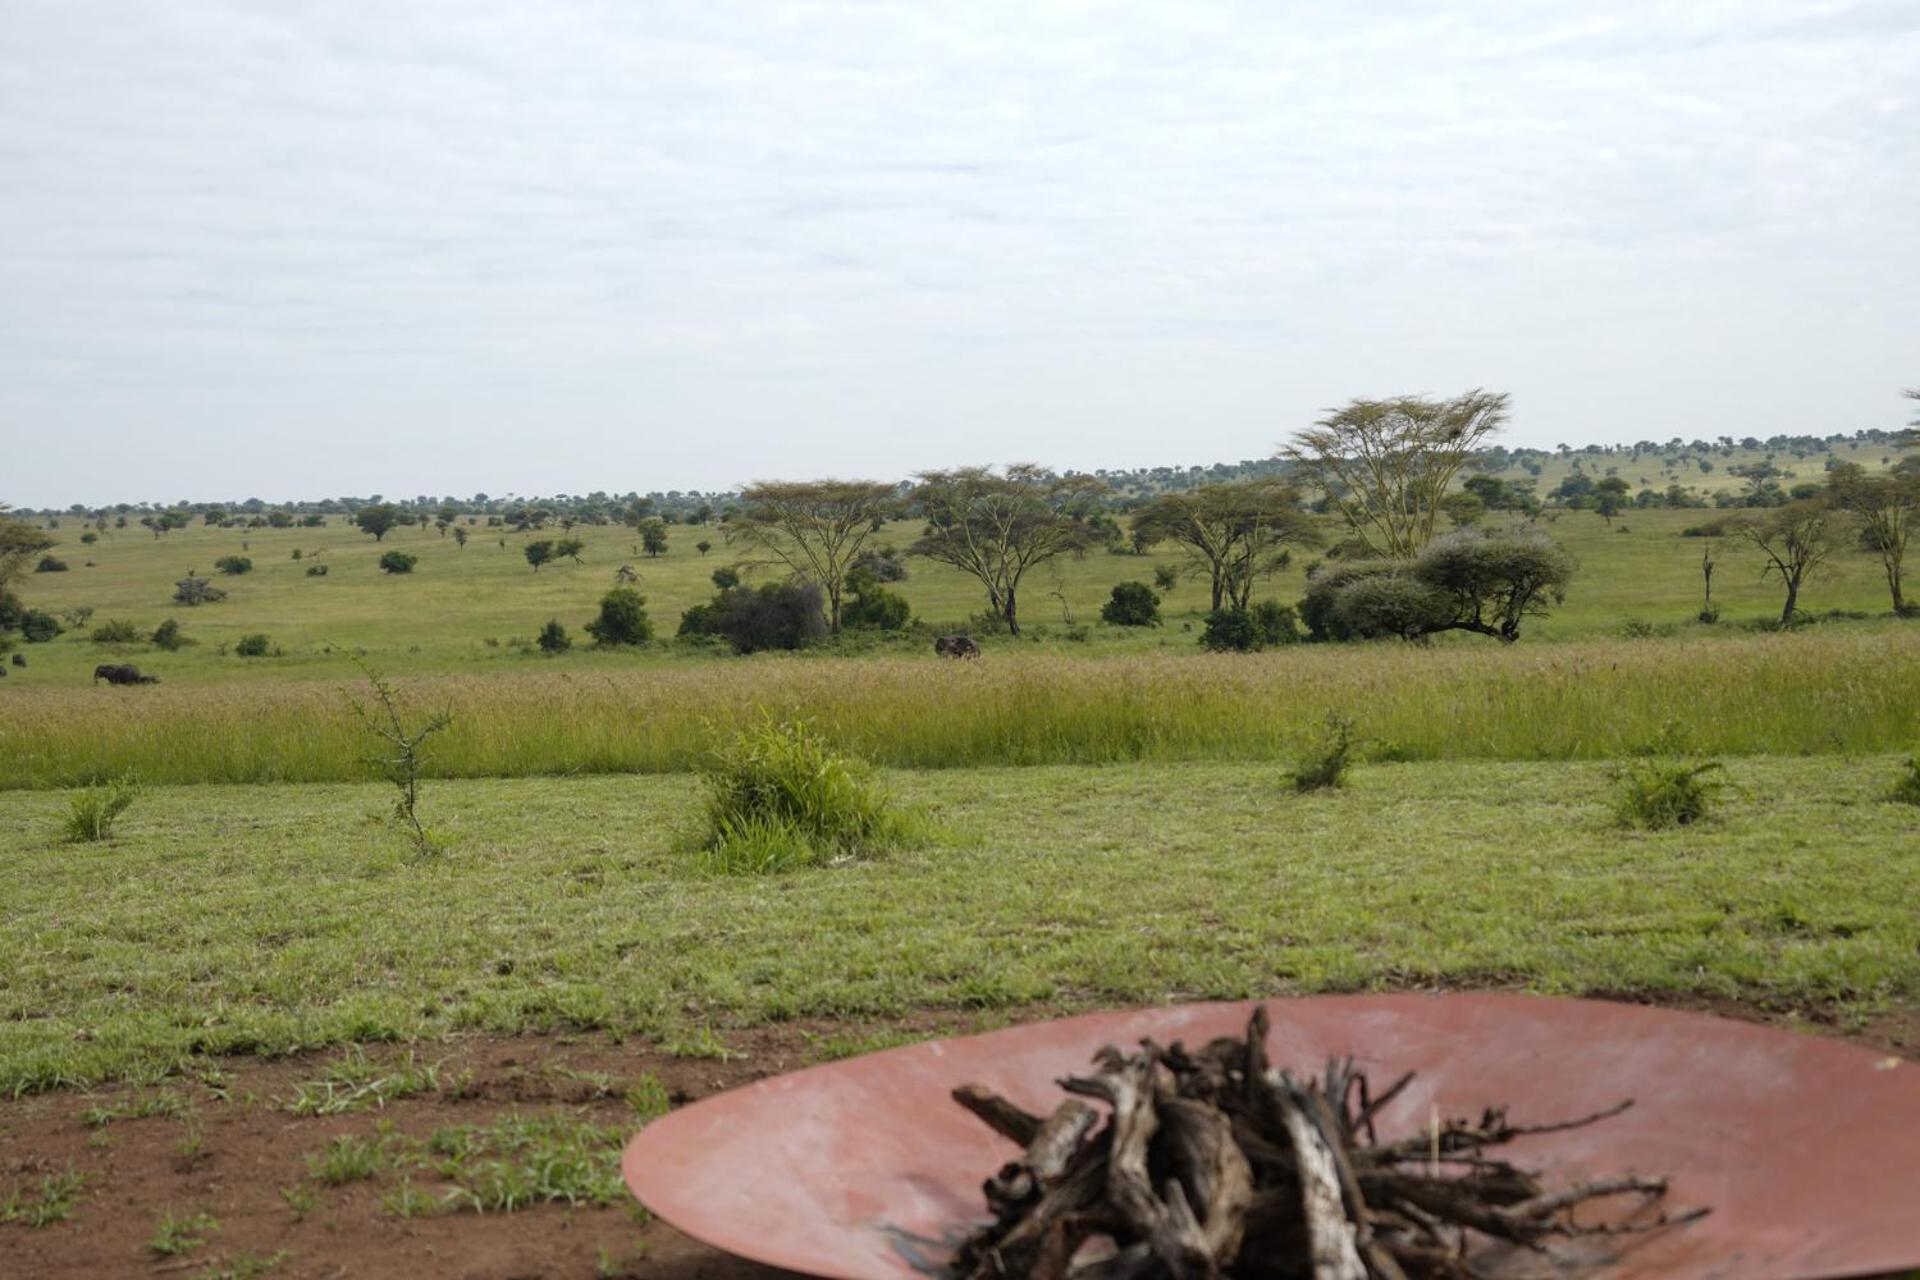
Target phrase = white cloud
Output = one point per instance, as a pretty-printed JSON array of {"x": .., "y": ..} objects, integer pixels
[{"x": 602, "y": 238}]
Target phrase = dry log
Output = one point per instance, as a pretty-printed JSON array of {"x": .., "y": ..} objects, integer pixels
[{"x": 1214, "y": 1164}]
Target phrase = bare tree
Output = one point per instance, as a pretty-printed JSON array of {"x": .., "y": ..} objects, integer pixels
[
  {"x": 1797, "y": 539},
  {"x": 1231, "y": 533},
  {"x": 1387, "y": 464},
  {"x": 816, "y": 528},
  {"x": 1888, "y": 507},
  {"x": 997, "y": 527}
]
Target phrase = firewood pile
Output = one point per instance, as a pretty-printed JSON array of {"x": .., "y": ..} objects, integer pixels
[{"x": 1214, "y": 1163}]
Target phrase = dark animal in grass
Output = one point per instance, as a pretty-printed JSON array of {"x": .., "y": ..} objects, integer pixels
[
  {"x": 19, "y": 659},
  {"x": 121, "y": 673},
  {"x": 956, "y": 646}
]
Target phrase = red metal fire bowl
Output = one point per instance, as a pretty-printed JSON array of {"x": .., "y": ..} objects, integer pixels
[{"x": 1807, "y": 1151}]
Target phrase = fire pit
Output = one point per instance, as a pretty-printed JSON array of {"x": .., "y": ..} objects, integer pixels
[{"x": 1804, "y": 1149}]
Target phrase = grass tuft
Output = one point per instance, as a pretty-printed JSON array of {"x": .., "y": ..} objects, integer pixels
[
  {"x": 1323, "y": 763},
  {"x": 92, "y": 811},
  {"x": 181, "y": 1234},
  {"x": 1906, "y": 788},
  {"x": 42, "y": 1206},
  {"x": 1655, "y": 794},
  {"x": 780, "y": 797},
  {"x": 521, "y": 1161},
  {"x": 346, "y": 1158}
]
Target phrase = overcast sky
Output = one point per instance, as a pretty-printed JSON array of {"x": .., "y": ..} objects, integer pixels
[{"x": 286, "y": 249}]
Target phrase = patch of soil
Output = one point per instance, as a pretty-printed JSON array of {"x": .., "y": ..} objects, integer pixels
[{"x": 250, "y": 1147}]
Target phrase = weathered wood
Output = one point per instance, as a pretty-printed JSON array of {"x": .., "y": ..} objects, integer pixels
[{"x": 1211, "y": 1163}]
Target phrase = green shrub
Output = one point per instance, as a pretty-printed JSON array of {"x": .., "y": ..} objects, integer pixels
[
  {"x": 1660, "y": 792},
  {"x": 38, "y": 627},
  {"x": 1265, "y": 625},
  {"x": 1132, "y": 604},
  {"x": 873, "y": 607},
  {"x": 253, "y": 646},
  {"x": 50, "y": 564},
  {"x": 776, "y": 615},
  {"x": 116, "y": 631},
  {"x": 1906, "y": 789},
  {"x": 1324, "y": 762},
  {"x": 234, "y": 565},
  {"x": 779, "y": 797},
  {"x": 192, "y": 591},
  {"x": 91, "y": 812},
  {"x": 398, "y": 562},
  {"x": 316, "y": 571},
  {"x": 168, "y": 636},
  {"x": 553, "y": 637},
  {"x": 623, "y": 619}
]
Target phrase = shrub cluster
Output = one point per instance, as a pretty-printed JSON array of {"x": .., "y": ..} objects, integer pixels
[
  {"x": 398, "y": 562},
  {"x": 1132, "y": 604},
  {"x": 196, "y": 591},
  {"x": 1266, "y": 624},
  {"x": 873, "y": 607},
  {"x": 116, "y": 631},
  {"x": 234, "y": 565},
  {"x": 622, "y": 621},
  {"x": 776, "y": 615}
]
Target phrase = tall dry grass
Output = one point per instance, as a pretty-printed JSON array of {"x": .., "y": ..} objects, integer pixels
[{"x": 1827, "y": 691}]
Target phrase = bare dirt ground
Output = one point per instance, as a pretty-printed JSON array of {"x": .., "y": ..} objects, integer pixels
[{"x": 250, "y": 1148}]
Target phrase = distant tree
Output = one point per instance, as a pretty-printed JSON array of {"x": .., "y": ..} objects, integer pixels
[
  {"x": 996, "y": 528},
  {"x": 653, "y": 537},
  {"x": 623, "y": 619},
  {"x": 538, "y": 553},
  {"x": 703, "y": 546},
  {"x": 377, "y": 519},
  {"x": 1463, "y": 509},
  {"x": 1888, "y": 508},
  {"x": 1165, "y": 577},
  {"x": 1466, "y": 580},
  {"x": 1386, "y": 464},
  {"x": 626, "y": 573},
  {"x": 726, "y": 577},
  {"x": 1609, "y": 497},
  {"x": 20, "y": 545},
  {"x": 398, "y": 562},
  {"x": 1797, "y": 540},
  {"x": 553, "y": 637},
  {"x": 816, "y": 528},
  {"x": 570, "y": 548},
  {"x": 1231, "y": 533},
  {"x": 1132, "y": 604},
  {"x": 460, "y": 536}
]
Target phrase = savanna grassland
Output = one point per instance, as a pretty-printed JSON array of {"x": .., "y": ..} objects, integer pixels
[{"x": 273, "y": 1033}]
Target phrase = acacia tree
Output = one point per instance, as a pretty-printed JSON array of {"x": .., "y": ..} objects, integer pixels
[
  {"x": 1387, "y": 464},
  {"x": 1797, "y": 539},
  {"x": 377, "y": 519},
  {"x": 1887, "y": 506},
  {"x": 816, "y": 528},
  {"x": 997, "y": 527},
  {"x": 1231, "y": 533},
  {"x": 20, "y": 543}
]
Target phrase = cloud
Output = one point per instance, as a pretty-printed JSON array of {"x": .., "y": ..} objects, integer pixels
[{"x": 846, "y": 237}]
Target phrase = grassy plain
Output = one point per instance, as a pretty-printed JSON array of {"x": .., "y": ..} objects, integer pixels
[{"x": 268, "y": 919}]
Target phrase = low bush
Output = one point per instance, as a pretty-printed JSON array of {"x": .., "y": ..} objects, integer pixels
[
  {"x": 780, "y": 797},
  {"x": 196, "y": 591},
  {"x": 1265, "y": 625},
  {"x": 256, "y": 645},
  {"x": 1324, "y": 762},
  {"x": 1132, "y": 604},
  {"x": 316, "y": 571},
  {"x": 38, "y": 627},
  {"x": 1906, "y": 789},
  {"x": 1656, "y": 793},
  {"x": 398, "y": 562},
  {"x": 623, "y": 619},
  {"x": 775, "y": 615},
  {"x": 873, "y": 607},
  {"x": 92, "y": 811},
  {"x": 116, "y": 631},
  {"x": 553, "y": 637},
  {"x": 233, "y": 566},
  {"x": 168, "y": 636},
  {"x": 50, "y": 564}
]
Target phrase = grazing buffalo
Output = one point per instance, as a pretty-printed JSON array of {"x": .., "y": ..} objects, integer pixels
[
  {"x": 121, "y": 673},
  {"x": 956, "y": 646}
]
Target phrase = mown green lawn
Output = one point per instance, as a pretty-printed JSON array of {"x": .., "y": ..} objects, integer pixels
[{"x": 267, "y": 918}]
